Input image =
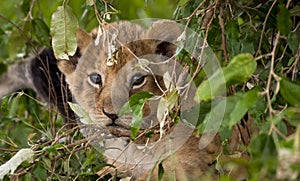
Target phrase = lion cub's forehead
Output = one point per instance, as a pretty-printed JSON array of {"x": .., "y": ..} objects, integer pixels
[
  {"x": 121, "y": 43},
  {"x": 132, "y": 51}
]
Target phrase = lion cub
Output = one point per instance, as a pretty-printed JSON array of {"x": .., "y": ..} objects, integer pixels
[{"x": 125, "y": 59}]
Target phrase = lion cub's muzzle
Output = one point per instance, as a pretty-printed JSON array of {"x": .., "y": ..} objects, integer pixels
[{"x": 116, "y": 126}]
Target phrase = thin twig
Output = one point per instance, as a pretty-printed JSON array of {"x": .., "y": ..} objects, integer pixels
[
  {"x": 223, "y": 34},
  {"x": 272, "y": 75},
  {"x": 264, "y": 27}
]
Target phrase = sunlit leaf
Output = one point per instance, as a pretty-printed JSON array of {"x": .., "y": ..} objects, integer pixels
[
  {"x": 167, "y": 80},
  {"x": 138, "y": 98},
  {"x": 239, "y": 70},
  {"x": 81, "y": 113},
  {"x": 63, "y": 31},
  {"x": 162, "y": 109},
  {"x": 89, "y": 2},
  {"x": 136, "y": 103},
  {"x": 136, "y": 121},
  {"x": 172, "y": 99},
  {"x": 211, "y": 87},
  {"x": 165, "y": 105},
  {"x": 291, "y": 61}
]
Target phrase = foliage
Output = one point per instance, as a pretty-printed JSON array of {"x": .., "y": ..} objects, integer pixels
[{"x": 256, "y": 42}]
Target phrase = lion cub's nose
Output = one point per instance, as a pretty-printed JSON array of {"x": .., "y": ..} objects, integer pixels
[{"x": 112, "y": 116}]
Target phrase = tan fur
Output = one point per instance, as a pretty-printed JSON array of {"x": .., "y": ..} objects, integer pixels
[{"x": 133, "y": 41}]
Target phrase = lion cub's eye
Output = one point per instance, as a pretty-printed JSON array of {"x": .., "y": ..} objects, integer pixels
[
  {"x": 95, "y": 80},
  {"x": 138, "y": 81}
]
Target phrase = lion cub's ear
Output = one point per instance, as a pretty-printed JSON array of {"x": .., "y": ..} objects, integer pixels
[
  {"x": 166, "y": 32},
  {"x": 83, "y": 41}
]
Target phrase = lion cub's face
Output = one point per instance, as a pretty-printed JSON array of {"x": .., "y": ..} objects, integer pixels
[{"x": 126, "y": 59}]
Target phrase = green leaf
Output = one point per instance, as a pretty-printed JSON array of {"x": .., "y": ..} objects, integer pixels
[
  {"x": 166, "y": 104},
  {"x": 291, "y": 61},
  {"x": 27, "y": 28},
  {"x": 137, "y": 117},
  {"x": 16, "y": 44},
  {"x": 182, "y": 2},
  {"x": 229, "y": 111},
  {"x": 2, "y": 32},
  {"x": 89, "y": 2},
  {"x": 212, "y": 87},
  {"x": 284, "y": 22},
  {"x": 172, "y": 99},
  {"x": 244, "y": 102},
  {"x": 81, "y": 113},
  {"x": 139, "y": 97},
  {"x": 239, "y": 70},
  {"x": 125, "y": 109},
  {"x": 136, "y": 103},
  {"x": 262, "y": 147},
  {"x": 295, "y": 11},
  {"x": 46, "y": 162},
  {"x": 290, "y": 92},
  {"x": 40, "y": 173},
  {"x": 63, "y": 31},
  {"x": 162, "y": 109},
  {"x": 41, "y": 30},
  {"x": 50, "y": 149},
  {"x": 3, "y": 68},
  {"x": 264, "y": 157},
  {"x": 213, "y": 119},
  {"x": 160, "y": 171},
  {"x": 293, "y": 41},
  {"x": 232, "y": 30},
  {"x": 292, "y": 115},
  {"x": 233, "y": 37}
]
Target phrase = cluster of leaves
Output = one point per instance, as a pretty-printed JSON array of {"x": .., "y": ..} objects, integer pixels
[
  {"x": 269, "y": 30},
  {"x": 256, "y": 42},
  {"x": 60, "y": 153}
]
